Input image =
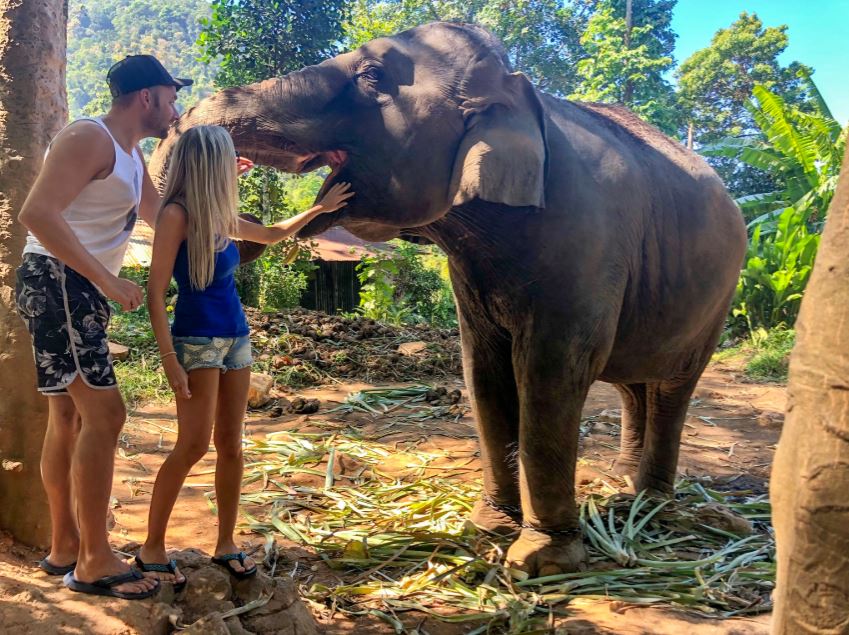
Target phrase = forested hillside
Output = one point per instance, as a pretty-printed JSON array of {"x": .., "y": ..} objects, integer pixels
[{"x": 101, "y": 32}]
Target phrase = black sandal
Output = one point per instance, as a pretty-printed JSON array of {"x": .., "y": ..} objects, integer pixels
[
  {"x": 54, "y": 569},
  {"x": 106, "y": 584},
  {"x": 169, "y": 567},
  {"x": 224, "y": 561}
]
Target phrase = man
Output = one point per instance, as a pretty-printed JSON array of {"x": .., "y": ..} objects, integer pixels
[{"x": 80, "y": 213}]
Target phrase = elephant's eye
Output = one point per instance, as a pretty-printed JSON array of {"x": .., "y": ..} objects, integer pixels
[{"x": 370, "y": 74}]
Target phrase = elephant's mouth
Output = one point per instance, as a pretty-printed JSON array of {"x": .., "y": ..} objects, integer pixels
[{"x": 336, "y": 161}]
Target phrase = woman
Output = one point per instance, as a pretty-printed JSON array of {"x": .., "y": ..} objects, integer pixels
[{"x": 206, "y": 353}]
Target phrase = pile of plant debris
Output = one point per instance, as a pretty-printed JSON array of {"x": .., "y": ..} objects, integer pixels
[
  {"x": 408, "y": 540},
  {"x": 301, "y": 347}
]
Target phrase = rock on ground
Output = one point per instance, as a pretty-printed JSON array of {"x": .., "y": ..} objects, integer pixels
[
  {"x": 259, "y": 393},
  {"x": 39, "y": 604}
]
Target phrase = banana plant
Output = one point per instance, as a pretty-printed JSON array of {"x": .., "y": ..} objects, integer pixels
[{"x": 802, "y": 150}]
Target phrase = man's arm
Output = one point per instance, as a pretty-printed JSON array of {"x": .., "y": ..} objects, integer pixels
[
  {"x": 150, "y": 200},
  {"x": 78, "y": 155}
]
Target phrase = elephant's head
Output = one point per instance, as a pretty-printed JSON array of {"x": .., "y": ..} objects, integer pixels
[{"x": 418, "y": 122}]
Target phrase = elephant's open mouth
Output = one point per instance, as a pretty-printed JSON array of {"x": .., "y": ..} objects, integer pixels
[{"x": 335, "y": 160}]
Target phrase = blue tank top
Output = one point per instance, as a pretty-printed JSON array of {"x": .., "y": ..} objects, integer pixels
[{"x": 212, "y": 312}]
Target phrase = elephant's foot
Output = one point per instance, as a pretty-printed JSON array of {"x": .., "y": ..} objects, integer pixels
[
  {"x": 627, "y": 466},
  {"x": 627, "y": 469},
  {"x": 501, "y": 520},
  {"x": 540, "y": 553},
  {"x": 655, "y": 487}
]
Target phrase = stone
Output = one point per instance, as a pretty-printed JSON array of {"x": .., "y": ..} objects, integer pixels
[
  {"x": 208, "y": 590},
  {"x": 259, "y": 393},
  {"x": 611, "y": 415},
  {"x": 412, "y": 348},
  {"x": 284, "y": 613},
  {"x": 119, "y": 352},
  {"x": 252, "y": 588},
  {"x": 212, "y": 624},
  {"x": 234, "y": 626}
]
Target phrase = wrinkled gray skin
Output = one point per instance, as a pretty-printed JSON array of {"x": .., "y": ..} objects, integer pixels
[{"x": 583, "y": 245}]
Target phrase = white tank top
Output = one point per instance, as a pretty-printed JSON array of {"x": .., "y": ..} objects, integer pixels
[{"x": 104, "y": 213}]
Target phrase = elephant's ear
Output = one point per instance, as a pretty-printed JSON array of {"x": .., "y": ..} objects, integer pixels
[{"x": 503, "y": 157}]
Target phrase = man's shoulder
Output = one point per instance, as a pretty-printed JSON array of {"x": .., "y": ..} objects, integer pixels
[
  {"x": 83, "y": 134},
  {"x": 85, "y": 141}
]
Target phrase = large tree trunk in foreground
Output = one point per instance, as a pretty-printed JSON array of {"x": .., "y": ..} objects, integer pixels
[
  {"x": 810, "y": 478},
  {"x": 33, "y": 107}
]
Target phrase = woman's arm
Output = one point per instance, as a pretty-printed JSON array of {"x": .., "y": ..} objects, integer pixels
[
  {"x": 170, "y": 232},
  {"x": 335, "y": 199}
]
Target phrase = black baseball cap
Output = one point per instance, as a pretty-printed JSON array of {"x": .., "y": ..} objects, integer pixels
[{"x": 135, "y": 72}]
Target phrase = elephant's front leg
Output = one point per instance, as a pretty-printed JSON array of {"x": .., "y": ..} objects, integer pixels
[
  {"x": 492, "y": 392},
  {"x": 553, "y": 379}
]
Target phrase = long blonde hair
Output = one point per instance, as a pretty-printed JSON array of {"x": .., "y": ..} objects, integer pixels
[{"x": 202, "y": 178}]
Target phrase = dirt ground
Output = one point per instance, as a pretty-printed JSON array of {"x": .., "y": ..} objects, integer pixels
[{"x": 730, "y": 434}]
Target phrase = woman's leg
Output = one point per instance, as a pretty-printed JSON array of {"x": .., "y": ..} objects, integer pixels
[
  {"x": 229, "y": 422},
  {"x": 195, "y": 417}
]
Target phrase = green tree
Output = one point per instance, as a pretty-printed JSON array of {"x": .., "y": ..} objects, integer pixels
[
  {"x": 254, "y": 40},
  {"x": 541, "y": 36},
  {"x": 803, "y": 150},
  {"x": 101, "y": 32},
  {"x": 716, "y": 82},
  {"x": 258, "y": 39},
  {"x": 626, "y": 56}
]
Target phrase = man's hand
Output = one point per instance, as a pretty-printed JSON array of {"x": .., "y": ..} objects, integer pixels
[
  {"x": 125, "y": 292},
  {"x": 335, "y": 198},
  {"x": 243, "y": 165},
  {"x": 178, "y": 379}
]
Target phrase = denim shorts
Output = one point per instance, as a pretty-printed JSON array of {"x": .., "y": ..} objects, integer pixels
[{"x": 226, "y": 353}]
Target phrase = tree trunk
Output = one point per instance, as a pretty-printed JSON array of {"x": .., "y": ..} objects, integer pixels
[
  {"x": 810, "y": 478},
  {"x": 32, "y": 109},
  {"x": 628, "y": 92}
]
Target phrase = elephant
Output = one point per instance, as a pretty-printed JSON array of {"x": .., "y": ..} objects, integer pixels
[{"x": 583, "y": 245}]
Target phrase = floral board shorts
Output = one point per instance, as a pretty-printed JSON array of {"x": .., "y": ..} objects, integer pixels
[
  {"x": 67, "y": 318},
  {"x": 226, "y": 353}
]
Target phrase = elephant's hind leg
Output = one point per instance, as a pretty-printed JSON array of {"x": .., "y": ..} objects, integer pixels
[
  {"x": 633, "y": 429},
  {"x": 667, "y": 404}
]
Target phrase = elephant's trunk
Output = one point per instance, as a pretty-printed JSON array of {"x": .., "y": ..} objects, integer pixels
[{"x": 272, "y": 122}]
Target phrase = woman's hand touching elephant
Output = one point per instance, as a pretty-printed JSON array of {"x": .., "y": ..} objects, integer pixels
[{"x": 335, "y": 198}]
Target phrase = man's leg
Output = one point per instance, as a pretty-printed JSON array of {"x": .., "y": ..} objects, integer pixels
[
  {"x": 103, "y": 414},
  {"x": 63, "y": 427}
]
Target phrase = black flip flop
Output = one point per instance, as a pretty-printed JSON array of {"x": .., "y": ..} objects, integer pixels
[
  {"x": 52, "y": 569},
  {"x": 224, "y": 561},
  {"x": 106, "y": 584},
  {"x": 169, "y": 567}
]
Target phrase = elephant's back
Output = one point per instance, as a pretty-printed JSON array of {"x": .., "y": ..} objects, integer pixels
[{"x": 623, "y": 123}]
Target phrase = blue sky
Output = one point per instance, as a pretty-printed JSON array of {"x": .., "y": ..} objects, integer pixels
[{"x": 818, "y": 31}]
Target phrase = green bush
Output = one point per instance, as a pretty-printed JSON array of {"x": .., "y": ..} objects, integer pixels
[
  {"x": 410, "y": 286},
  {"x": 270, "y": 283},
  {"x": 771, "y": 356},
  {"x": 776, "y": 271},
  {"x": 281, "y": 284}
]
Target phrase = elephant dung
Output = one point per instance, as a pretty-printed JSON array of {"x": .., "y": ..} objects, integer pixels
[
  {"x": 412, "y": 348},
  {"x": 720, "y": 517}
]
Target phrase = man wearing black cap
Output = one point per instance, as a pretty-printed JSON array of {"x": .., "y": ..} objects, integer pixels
[{"x": 80, "y": 213}]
